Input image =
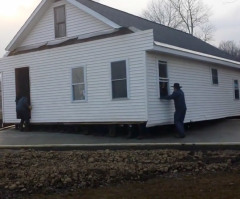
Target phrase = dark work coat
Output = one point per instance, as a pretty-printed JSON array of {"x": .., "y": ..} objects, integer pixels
[
  {"x": 22, "y": 108},
  {"x": 179, "y": 100}
]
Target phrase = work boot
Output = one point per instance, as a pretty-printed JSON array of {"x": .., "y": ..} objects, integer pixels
[
  {"x": 20, "y": 126},
  {"x": 27, "y": 127}
]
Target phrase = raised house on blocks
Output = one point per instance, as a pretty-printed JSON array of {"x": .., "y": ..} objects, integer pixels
[{"x": 81, "y": 62}]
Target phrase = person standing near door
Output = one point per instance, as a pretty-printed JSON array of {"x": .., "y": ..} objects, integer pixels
[
  {"x": 23, "y": 109},
  {"x": 180, "y": 109}
]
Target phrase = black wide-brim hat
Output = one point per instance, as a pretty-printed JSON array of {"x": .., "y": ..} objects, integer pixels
[{"x": 176, "y": 85}]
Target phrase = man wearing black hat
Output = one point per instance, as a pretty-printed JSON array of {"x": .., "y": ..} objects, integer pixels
[{"x": 180, "y": 108}]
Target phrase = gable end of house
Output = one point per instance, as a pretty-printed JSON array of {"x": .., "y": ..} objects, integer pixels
[{"x": 76, "y": 20}]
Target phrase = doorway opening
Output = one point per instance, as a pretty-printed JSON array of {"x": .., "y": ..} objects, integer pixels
[
  {"x": 1, "y": 102},
  {"x": 22, "y": 83}
]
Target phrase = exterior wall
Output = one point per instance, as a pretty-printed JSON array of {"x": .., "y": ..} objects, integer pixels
[
  {"x": 50, "y": 77},
  {"x": 77, "y": 23},
  {"x": 0, "y": 105},
  {"x": 204, "y": 100}
]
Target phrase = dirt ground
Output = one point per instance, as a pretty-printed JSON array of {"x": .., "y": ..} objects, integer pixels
[
  {"x": 215, "y": 186},
  {"x": 123, "y": 174}
]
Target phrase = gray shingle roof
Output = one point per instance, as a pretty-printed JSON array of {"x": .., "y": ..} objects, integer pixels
[{"x": 162, "y": 33}]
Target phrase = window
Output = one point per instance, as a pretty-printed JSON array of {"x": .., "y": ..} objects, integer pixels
[
  {"x": 119, "y": 79},
  {"x": 78, "y": 84},
  {"x": 60, "y": 21},
  {"x": 236, "y": 89},
  {"x": 214, "y": 76},
  {"x": 163, "y": 79}
]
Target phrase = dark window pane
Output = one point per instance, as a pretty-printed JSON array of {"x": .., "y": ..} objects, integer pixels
[
  {"x": 236, "y": 94},
  {"x": 119, "y": 89},
  {"x": 236, "y": 89},
  {"x": 163, "y": 86},
  {"x": 77, "y": 75},
  {"x": 119, "y": 70},
  {"x": 78, "y": 92},
  {"x": 215, "y": 80},
  {"x": 60, "y": 14},
  {"x": 214, "y": 72},
  {"x": 61, "y": 30},
  {"x": 236, "y": 84},
  {"x": 214, "y": 76},
  {"x": 162, "y": 69}
]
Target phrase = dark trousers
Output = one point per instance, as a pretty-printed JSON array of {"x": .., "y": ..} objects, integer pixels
[
  {"x": 25, "y": 119},
  {"x": 179, "y": 116}
]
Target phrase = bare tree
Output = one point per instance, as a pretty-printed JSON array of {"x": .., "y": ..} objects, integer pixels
[
  {"x": 191, "y": 16},
  {"x": 162, "y": 11},
  {"x": 205, "y": 32},
  {"x": 231, "y": 48}
]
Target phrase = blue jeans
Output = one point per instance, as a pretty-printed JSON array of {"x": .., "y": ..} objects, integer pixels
[{"x": 179, "y": 116}]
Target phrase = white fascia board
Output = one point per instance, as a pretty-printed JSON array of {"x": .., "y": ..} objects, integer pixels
[
  {"x": 6, "y": 54},
  {"x": 25, "y": 28},
  {"x": 174, "y": 50},
  {"x": 94, "y": 14}
]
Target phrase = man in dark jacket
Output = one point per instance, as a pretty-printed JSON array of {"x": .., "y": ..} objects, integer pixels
[
  {"x": 23, "y": 112},
  {"x": 180, "y": 108}
]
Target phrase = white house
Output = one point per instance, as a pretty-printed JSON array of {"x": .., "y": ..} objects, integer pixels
[{"x": 81, "y": 62}]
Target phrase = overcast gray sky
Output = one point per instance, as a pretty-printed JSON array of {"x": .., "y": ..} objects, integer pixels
[{"x": 225, "y": 16}]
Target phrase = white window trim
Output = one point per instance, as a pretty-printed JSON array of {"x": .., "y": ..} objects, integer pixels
[
  {"x": 85, "y": 84},
  {"x": 127, "y": 78},
  {"x": 212, "y": 76},
  {"x": 158, "y": 79},
  {"x": 235, "y": 89}
]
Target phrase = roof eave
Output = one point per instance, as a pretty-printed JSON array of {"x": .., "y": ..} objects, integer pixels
[{"x": 177, "y": 51}]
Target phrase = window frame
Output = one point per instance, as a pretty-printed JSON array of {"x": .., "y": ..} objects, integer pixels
[
  {"x": 211, "y": 70},
  {"x": 163, "y": 79},
  {"x": 85, "y": 84},
  {"x": 127, "y": 79},
  {"x": 56, "y": 31},
  {"x": 234, "y": 90}
]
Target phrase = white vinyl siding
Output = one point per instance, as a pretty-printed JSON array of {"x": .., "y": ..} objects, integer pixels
[
  {"x": 50, "y": 79},
  {"x": 204, "y": 102},
  {"x": 77, "y": 23}
]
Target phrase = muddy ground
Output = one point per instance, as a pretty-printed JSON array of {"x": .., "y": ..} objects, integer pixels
[{"x": 119, "y": 174}]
